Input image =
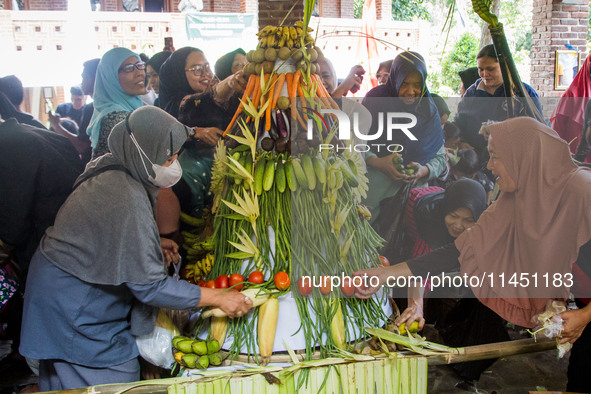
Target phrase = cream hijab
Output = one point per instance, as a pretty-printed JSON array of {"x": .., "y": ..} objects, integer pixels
[{"x": 536, "y": 230}]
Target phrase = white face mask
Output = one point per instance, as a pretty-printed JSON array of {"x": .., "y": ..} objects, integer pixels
[{"x": 166, "y": 176}]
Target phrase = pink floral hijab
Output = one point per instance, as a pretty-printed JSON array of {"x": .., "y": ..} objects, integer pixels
[{"x": 532, "y": 235}]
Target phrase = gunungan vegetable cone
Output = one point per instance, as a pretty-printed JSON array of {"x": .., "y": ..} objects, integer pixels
[{"x": 267, "y": 325}]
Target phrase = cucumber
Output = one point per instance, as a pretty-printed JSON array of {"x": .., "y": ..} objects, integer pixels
[
  {"x": 299, "y": 173},
  {"x": 259, "y": 172},
  {"x": 248, "y": 168},
  {"x": 348, "y": 175},
  {"x": 280, "y": 180},
  {"x": 309, "y": 171},
  {"x": 319, "y": 169},
  {"x": 290, "y": 177},
  {"x": 269, "y": 175}
]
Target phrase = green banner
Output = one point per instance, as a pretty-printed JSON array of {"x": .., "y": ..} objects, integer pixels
[{"x": 215, "y": 26}]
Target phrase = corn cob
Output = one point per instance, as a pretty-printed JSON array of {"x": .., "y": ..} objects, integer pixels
[
  {"x": 337, "y": 327},
  {"x": 267, "y": 325},
  {"x": 219, "y": 328}
]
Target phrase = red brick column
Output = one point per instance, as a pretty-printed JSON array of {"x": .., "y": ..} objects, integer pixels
[
  {"x": 273, "y": 12},
  {"x": 383, "y": 9},
  {"x": 555, "y": 23}
]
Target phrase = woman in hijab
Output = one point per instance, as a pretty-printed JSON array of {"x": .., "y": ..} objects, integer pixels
[
  {"x": 569, "y": 116},
  {"x": 435, "y": 217},
  {"x": 186, "y": 92},
  {"x": 230, "y": 63},
  {"x": 153, "y": 71},
  {"x": 467, "y": 77},
  {"x": 113, "y": 268},
  {"x": 537, "y": 226},
  {"x": 405, "y": 92},
  {"x": 119, "y": 83},
  {"x": 485, "y": 100}
]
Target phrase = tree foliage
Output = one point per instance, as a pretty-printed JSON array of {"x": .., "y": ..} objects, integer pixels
[
  {"x": 402, "y": 10},
  {"x": 462, "y": 56}
]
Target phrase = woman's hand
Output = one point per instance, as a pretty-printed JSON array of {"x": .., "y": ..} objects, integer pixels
[
  {"x": 209, "y": 135},
  {"x": 170, "y": 251},
  {"x": 372, "y": 280},
  {"x": 413, "y": 313},
  {"x": 574, "y": 322},
  {"x": 234, "y": 303},
  {"x": 385, "y": 165},
  {"x": 351, "y": 83},
  {"x": 421, "y": 172},
  {"x": 237, "y": 82}
]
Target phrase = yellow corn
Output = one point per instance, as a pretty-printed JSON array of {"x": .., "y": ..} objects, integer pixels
[
  {"x": 337, "y": 327},
  {"x": 256, "y": 298},
  {"x": 267, "y": 326},
  {"x": 219, "y": 328}
]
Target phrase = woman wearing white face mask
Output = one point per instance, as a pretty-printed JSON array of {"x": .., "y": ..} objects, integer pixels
[{"x": 105, "y": 250}]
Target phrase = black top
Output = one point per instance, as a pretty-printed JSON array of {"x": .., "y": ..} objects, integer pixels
[
  {"x": 443, "y": 259},
  {"x": 67, "y": 110},
  {"x": 37, "y": 171}
]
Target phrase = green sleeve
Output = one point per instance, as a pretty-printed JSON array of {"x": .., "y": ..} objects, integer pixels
[{"x": 437, "y": 164}]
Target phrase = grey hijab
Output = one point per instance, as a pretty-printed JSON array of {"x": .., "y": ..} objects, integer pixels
[{"x": 106, "y": 233}]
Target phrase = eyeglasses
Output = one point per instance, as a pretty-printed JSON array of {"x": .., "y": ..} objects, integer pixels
[
  {"x": 199, "y": 69},
  {"x": 130, "y": 67}
]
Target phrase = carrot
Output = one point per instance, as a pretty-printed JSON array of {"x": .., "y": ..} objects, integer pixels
[
  {"x": 295, "y": 83},
  {"x": 278, "y": 87},
  {"x": 256, "y": 94},
  {"x": 247, "y": 91},
  {"x": 270, "y": 102},
  {"x": 289, "y": 80},
  {"x": 327, "y": 95},
  {"x": 319, "y": 91},
  {"x": 302, "y": 99}
]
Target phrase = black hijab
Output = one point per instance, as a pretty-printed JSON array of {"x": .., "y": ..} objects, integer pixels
[
  {"x": 158, "y": 60},
  {"x": 223, "y": 67},
  {"x": 384, "y": 99},
  {"x": 173, "y": 81},
  {"x": 431, "y": 209}
]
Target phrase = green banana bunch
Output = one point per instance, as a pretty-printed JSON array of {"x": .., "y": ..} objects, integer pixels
[{"x": 482, "y": 8}]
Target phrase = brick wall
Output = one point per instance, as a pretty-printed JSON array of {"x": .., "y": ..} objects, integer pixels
[
  {"x": 554, "y": 24},
  {"x": 110, "y": 5},
  {"x": 273, "y": 12},
  {"x": 48, "y": 5}
]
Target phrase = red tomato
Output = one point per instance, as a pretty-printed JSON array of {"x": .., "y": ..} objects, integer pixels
[
  {"x": 325, "y": 285},
  {"x": 256, "y": 277},
  {"x": 281, "y": 280},
  {"x": 235, "y": 279},
  {"x": 222, "y": 282},
  {"x": 305, "y": 288},
  {"x": 210, "y": 284},
  {"x": 347, "y": 286},
  {"x": 384, "y": 262},
  {"x": 201, "y": 283}
]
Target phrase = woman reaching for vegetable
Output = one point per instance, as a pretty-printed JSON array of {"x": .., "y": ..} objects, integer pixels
[
  {"x": 537, "y": 226},
  {"x": 435, "y": 217},
  {"x": 105, "y": 250}
]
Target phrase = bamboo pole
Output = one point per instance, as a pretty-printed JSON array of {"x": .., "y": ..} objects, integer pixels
[{"x": 494, "y": 350}]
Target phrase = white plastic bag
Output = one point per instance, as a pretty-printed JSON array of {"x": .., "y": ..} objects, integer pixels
[
  {"x": 549, "y": 324},
  {"x": 156, "y": 347}
]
